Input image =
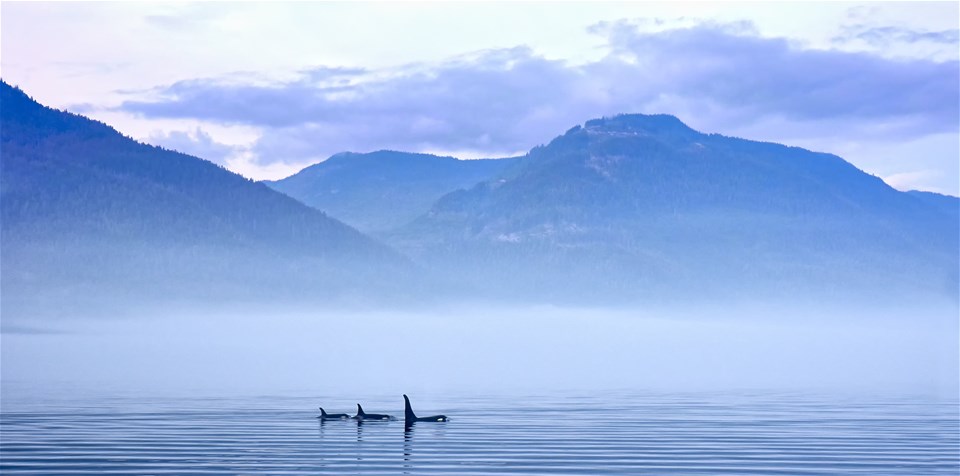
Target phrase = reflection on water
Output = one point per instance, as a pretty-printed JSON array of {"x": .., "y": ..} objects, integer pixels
[
  {"x": 407, "y": 445},
  {"x": 585, "y": 434}
]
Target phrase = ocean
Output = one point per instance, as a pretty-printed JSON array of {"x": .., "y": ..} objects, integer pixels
[{"x": 730, "y": 433}]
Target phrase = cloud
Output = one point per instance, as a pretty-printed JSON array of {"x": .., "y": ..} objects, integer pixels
[
  {"x": 911, "y": 180},
  {"x": 180, "y": 17},
  {"x": 494, "y": 99},
  {"x": 759, "y": 77},
  {"x": 887, "y": 35},
  {"x": 327, "y": 73},
  {"x": 718, "y": 77},
  {"x": 196, "y": 143}
]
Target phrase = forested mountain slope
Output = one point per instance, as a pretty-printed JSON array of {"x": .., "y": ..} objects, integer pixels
[
  {"x": 385, "y": 189},
  {"x": 640, "y": 207},
  {"x": 89, "y": 213}
]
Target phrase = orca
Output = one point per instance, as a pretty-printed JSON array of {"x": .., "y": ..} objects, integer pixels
[
  {"x": 332, "y": 416},
  {"x": 361, "y": 416},
  {"x": 409, "y": 417}
]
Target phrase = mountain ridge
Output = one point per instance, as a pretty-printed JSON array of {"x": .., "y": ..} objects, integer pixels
[
  {"x": 380, "y": 190},
  {"x": 680, "y": 206},
  {"x": 85, "y": 207},
  {"x": 619, "y": 210}
]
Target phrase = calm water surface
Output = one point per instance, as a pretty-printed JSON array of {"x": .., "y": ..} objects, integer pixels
[{"x": 600, "y": 434}]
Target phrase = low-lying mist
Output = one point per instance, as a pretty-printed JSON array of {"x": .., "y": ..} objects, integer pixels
[{"x": 487, "y": 351}]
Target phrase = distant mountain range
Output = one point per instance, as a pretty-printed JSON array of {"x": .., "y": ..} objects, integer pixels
[
  {"x": 383, "y": 190},
  {"x": 645, "y": 207},
  {"x": 642, "y": 207},
  {"x": 90, "y": 214},
  {"x": 624, "y": 210}
]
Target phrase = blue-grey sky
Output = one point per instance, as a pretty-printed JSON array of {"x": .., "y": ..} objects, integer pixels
[{"x": 266, "y": 89}]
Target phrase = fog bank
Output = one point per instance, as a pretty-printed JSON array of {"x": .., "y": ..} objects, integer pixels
[{"x": 492, "y": 351}]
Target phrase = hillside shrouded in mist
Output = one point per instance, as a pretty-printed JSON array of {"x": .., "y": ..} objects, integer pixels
[
  {"x": 92, "y": 217},
  {"x": 637, "y": 208},
  {"x": 385, "y": 189},
  {"x": 643, "y": 206},
  {"x": 626, "y": 210}
]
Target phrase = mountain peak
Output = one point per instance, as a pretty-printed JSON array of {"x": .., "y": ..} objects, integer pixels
[{"x": 638, "y": 123}]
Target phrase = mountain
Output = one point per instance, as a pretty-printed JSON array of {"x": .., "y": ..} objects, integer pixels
[
  {"x": 89, "y": 215},
  {"x": 947, "y": 204},
  {"x": 631, "y": 209},
  {"x": 640, "y": 207},
  {"x": 385, "y": 189}
]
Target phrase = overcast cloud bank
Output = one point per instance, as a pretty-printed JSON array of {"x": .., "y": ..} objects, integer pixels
[{"x": 717, "y": 77}]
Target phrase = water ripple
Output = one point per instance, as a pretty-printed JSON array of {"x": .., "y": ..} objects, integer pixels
[{"x": 647, "y": 434}]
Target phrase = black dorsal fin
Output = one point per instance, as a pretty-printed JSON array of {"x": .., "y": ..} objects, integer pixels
[
  {"x": 408, "y": 414},
  {"x": 359, "y": 410},
  {"x": 322, "y": 413}
]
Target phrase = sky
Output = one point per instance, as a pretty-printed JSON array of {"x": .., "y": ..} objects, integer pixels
[{"x": 267, "y": 89}]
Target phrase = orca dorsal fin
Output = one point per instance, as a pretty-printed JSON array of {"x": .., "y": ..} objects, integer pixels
[
  {"x": 408, "y": 414},
  {"x": 322, "y": 413},
  {"x": 359, "y": 410}
]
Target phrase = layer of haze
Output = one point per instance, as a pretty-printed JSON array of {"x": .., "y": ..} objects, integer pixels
[{"x": 533, "y": 350}]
